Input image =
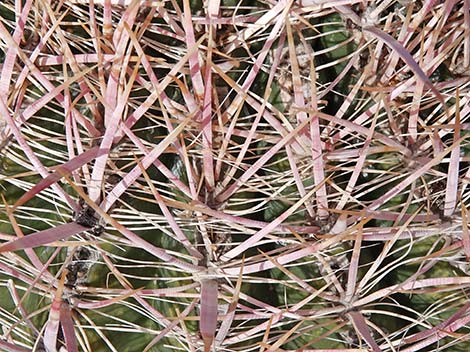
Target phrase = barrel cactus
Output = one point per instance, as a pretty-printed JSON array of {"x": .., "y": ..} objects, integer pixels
[{"x": 234, "y": 175}]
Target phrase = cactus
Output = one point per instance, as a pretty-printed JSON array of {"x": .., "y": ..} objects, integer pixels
[{"x": 234, "y": 176}]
